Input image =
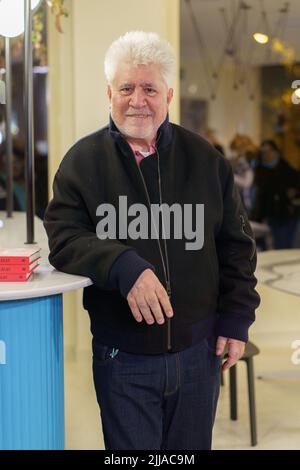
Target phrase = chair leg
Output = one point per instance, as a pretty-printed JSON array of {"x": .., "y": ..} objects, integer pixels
[
  {"x": 233, "y": 393},
  {"x": 252, "y": 411}
]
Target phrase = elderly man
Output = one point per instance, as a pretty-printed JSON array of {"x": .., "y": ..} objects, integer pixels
[{"x": 127, "y": 202}]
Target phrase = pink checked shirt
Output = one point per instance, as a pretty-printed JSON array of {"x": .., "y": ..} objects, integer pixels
[{"x": 139, "y": 156}]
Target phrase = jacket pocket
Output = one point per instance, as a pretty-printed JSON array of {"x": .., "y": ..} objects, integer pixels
[{"x": 103, "y": 354}]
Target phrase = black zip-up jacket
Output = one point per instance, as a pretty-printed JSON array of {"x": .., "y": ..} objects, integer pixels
[{"x": 212, "y": 288}]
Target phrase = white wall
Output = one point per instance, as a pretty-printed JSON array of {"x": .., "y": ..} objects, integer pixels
[{"x": 232, "y": 111}]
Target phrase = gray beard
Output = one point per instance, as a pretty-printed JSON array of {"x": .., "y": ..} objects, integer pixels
[{"x": 139, "y": 134}]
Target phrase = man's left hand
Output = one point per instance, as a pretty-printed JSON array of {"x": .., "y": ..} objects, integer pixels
[{"x": 236, "y": 349}]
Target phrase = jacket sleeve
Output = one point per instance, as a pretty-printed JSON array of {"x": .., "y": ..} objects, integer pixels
[
  {"x": 236, "y": 251},
  {"x": 75, "y": 247}
]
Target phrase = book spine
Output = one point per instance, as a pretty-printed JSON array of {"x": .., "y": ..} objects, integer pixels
[
  {"x": 14, "y": 260},
  {"x": 14, "y": 277},
  {"x": 25, "y": 260},
  {"x": 16, "y": 268}
]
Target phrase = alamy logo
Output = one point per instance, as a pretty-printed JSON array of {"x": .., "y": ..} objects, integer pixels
[
  {"x": 295, "y": 358},
  {"x": 296, "y": 94},
  {"x": 163, "y": 221},
  {"x": 2, "y": 353}
]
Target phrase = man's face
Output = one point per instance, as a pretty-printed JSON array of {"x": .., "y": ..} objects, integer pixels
[
  {"x": 139, "y": 100},
  {"x": 268, "y": 153}
]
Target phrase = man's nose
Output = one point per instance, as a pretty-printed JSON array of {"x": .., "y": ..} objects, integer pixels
[{"x": 137, "y": 99}]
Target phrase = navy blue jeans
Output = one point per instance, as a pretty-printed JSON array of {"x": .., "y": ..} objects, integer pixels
[{"x": 160, "y": 402}]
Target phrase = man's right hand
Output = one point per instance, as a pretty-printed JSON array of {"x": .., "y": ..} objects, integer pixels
[{"x": 148, "y": 299}]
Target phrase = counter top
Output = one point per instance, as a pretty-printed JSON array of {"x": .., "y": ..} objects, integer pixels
[{"x": 45, "y": 280}]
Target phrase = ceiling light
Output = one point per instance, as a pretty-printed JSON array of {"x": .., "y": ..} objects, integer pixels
[
  {"x": 11, "y": 18},
  {"x": 35, "y": 4},
  {"x": 261, "y": 38}
]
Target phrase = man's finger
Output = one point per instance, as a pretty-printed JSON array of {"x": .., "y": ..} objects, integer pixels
[
  {"x": 144, "y": 309},
  {"x": 235, "y": 351},
  {"x": 164, "y": 301},
  {"x": 155, "y": 309},
  {"x": 230, "y": 361},
  {"x": 134, "y": 308},
  {"x": 220, "y": 346}
]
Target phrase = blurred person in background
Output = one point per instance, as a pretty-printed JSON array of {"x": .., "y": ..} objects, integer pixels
[
  {"x": 277, "y": 187},
  {"x": 210, "y": 135},
  {"x": 19, "y": 186},
  {"x": 243, "y": 152},
  {"x": 41, "y": 178},
  {"x": 18, "y": 176}
]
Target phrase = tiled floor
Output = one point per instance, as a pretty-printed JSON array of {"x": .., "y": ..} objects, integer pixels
[
  {"x": 277, "y": 398},
  {"x": 278, "y": 411}
]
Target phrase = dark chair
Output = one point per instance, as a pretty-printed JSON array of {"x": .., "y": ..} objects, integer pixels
[{"x": 250, "y": 351}]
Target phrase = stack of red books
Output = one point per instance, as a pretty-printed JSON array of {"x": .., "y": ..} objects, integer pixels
[{"x": 18, "y": 264}]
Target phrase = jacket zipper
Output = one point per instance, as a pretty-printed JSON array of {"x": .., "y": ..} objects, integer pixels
[
  {"x": 243, "y": 224},
  {"x": 169, "y": 319},
  {"x": 168, "y": 288}
]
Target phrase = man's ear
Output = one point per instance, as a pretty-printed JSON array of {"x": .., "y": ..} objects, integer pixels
[
  {"x": 109, "y": 92},
  {"x": 170, "y": 95}
]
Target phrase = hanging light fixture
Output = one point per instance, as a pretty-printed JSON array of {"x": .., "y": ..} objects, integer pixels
[
  {"x": 261, "y": 36},
  {"x": 12, "y": 17}
]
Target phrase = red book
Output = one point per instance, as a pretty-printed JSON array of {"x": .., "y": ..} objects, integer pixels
[
  {"x": 14, "y": 277},
  {"x": 18, "y": 255},
  {"x": 18, "y": 268}
]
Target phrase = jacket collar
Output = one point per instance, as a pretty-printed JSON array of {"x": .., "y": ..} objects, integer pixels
[{"x": 163, "y": 139}]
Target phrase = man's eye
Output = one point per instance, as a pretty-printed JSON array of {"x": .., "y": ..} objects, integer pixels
[
  {"x": 150, "y": 91},
  {"x": 126, "y": 89}
]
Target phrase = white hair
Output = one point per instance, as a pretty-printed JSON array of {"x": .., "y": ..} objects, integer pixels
[{"x": 140, "y": 48}]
